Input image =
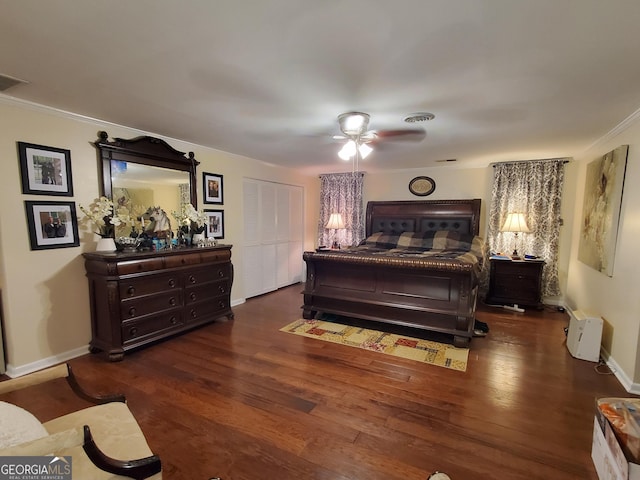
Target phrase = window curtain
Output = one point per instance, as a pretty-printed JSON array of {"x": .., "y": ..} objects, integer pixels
[
  {"x": 535, "y": 189},
  {"x": 341, "y": 193}
]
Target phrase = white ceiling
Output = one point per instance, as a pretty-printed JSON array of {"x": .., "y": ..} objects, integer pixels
[{"x": 266, "y": 79}]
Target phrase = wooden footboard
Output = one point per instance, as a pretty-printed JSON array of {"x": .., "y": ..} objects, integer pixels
[{"x": 440, "y": 300}]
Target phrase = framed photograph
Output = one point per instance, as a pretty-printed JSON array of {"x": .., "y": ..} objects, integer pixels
[
  {"x": 215, "y": 223},
  {"x": 45, "y": 170},
  {"x": 52, "y": 224},
  {"x": 212, "y": 188}
]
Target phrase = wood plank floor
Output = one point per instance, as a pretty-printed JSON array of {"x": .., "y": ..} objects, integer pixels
[{"x": 242, "y": 400}]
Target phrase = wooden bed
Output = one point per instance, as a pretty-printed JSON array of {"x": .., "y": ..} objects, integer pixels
[{"x": 428, "y": 293}]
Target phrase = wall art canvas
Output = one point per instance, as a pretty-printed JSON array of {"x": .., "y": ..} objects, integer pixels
[{"x": 601, "y": 210}]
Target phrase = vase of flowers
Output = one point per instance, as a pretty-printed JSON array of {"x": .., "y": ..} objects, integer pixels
[
  {"x": 100, "y": 214},
  {"x": 191, "y": 224}
]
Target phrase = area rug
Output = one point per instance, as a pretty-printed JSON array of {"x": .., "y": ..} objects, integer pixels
[{"x": 426, "y": 351}]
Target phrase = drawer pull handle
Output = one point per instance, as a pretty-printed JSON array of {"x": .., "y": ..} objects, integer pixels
[
  {"x": 132, "y": 311},
  {"x": 172, "y": 301},
  {"x": 221, "y": 289},
  {"x": 221, "y": 304},
  {"x": 133, "y": 332},
  {"x": 193, "y": 314},
  {"x": 220, "y": 273},
  {"x": 193, "y": 296},
  {"x": 131, "y": 290},
  {"x": 172, "y": 283},
  {"x": 173, "y": 320},
  {"x": 192, "y": 279}
]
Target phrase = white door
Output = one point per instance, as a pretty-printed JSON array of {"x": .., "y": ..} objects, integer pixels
[{"x": 273, "y": 236}]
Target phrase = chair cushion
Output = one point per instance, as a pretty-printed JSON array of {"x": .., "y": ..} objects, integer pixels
[
  {"x": 115, "y": 431},
  {"x": 18, "y": 426}
]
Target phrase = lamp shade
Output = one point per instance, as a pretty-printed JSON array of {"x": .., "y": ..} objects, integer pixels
[
  {"x": 335, "y": 221},
  {"x": 515, "y": 222}
]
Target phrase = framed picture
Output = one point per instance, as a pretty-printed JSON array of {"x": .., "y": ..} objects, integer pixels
[
  {"x": 45, "y": 170},
  {"x": 212, "y": 188},
  {"x": 215, "y": 223},
  {"x": 422, "y": 186},
  {"x": 52, "y": 224}
]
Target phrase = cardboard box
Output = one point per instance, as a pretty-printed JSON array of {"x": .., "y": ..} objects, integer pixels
[{"x": 607, "y": 455}]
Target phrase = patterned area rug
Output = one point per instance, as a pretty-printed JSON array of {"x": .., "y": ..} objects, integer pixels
[{"x": 433, "y": 353}]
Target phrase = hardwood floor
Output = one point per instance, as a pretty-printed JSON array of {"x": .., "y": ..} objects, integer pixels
[{"x": 242, "y": 400}]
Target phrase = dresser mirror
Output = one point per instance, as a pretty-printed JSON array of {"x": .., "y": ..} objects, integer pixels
[{"x": 146, "y": 172}]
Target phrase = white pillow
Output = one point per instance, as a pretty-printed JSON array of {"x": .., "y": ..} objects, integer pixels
[{"x": 18, "y": 426}]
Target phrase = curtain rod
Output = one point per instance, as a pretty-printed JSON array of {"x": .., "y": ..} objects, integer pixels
[
  {"x": 342, "y": 173},
  {"x": 564, "y": 160}
]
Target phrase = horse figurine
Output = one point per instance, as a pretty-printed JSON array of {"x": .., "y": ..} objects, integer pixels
[{"x": 158, "y": 225}]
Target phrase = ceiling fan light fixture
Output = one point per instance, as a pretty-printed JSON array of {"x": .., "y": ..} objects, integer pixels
[
  {"x": 364, "y": 150},
  {"x": 348, "y": 150},
  {"x": 419, "y": 117},
  {"x": 353, "y": 123}
]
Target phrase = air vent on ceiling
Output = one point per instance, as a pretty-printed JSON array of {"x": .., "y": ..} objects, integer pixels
[
  {"x": 447, "y": 160},
  {"x": 6, "y": 82},
  {"x": 419, "y": 117}
]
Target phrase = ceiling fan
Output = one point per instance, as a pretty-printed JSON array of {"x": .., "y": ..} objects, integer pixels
[{"x": 354, "y": 128}]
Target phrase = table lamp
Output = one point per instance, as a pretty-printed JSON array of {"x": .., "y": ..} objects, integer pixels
[
  {"x": 515, "y": 223},
  {"x": 335, "y": 222}
]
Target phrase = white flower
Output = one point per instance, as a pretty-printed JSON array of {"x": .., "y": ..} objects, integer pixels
[
  {"x": 100, "y": 213},
  {"x": 188, "y": 215}
]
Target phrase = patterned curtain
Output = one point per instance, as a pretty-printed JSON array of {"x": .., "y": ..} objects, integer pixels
[
  {"x": 341, "y": 193},
  {"x": 535, "y": 189},
  {"x": 185, "y": 193}
]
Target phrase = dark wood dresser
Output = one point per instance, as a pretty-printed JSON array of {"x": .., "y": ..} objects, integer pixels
[
  {"x": 516, "y": 282},
  {"x": 138, "y": 298}
]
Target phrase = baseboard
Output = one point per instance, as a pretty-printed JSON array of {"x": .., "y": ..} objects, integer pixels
[
  {"x": 13, "y": 371},
  {"x": 620, "y": 374},
  {"x": 238, "y": 301}
]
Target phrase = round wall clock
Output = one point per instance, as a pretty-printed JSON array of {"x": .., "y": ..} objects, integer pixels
[{"x": 422, "y": 186}]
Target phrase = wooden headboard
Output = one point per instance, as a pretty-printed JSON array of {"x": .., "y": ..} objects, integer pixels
[{"x": 399, "y": 216}]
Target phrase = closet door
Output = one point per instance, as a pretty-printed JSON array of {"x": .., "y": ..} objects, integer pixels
[{"x": 273, "y": 236}]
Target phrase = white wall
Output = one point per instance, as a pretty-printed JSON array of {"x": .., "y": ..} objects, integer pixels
[
  {"x": 45, "y": 292},
  {"x": 615, "y": 298}
]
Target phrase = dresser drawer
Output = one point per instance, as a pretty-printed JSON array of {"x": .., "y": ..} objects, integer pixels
[
  {"x": 137, "y": 307},
  {"x": 181, "y": 260},
  {"x": 137, "y": 330},
  {"x": 208, "y": 274},
  {"x": 516, "y": 269},
  {"x": 206, "y": 310},
  {"x": 206, "y": 291},
  {"x": 141, "y": 265},
  {"x": 140, "y": 286},
  {"x": 216, "y": 256}
]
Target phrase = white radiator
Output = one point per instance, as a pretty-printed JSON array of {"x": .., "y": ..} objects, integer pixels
[{"x": 584, "y": 335}]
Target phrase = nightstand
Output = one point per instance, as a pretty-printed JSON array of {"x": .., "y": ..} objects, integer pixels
[{"x": 515, "y": 282}]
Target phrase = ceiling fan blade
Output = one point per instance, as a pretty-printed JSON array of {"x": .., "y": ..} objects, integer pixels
[{"x": 409, "y": 134}]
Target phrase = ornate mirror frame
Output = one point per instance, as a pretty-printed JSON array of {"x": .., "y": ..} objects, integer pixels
[{"x": 144, "y": 150}]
